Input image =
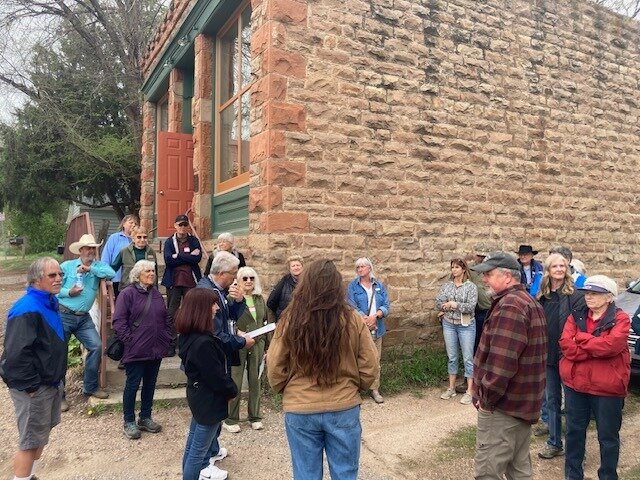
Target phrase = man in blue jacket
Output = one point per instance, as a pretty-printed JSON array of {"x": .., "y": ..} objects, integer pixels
[
  {"x": 182, "y": 255},
  {"x": 34, "y": 362}
]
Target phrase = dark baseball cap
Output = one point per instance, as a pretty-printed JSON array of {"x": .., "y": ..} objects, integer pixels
[
  {"x": 497, "y": 260},
  {"x": 182, "y": 218}
]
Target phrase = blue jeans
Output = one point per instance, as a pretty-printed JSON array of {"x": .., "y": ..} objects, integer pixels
[
  {"x": 84, "y": 330},
  {"x": 455, "y": 335},
  {"x": 147, "y": 372},
  {"x": 553, "y": 396},
  {"x": 202, "y": 444},
  {"x": 337, "y": 433},
  {"x": 608, "y": 414}
]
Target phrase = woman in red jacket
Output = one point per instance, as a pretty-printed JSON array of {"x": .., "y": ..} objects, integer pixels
[{"x": 595, "y": 370}]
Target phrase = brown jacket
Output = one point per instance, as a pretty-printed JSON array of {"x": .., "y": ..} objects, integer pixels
[{"x": 357, "y": 371}]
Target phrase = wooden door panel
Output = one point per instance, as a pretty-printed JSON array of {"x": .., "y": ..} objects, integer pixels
[{"x": 174, "y": 179}]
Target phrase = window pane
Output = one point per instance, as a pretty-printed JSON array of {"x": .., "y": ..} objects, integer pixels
[
  {"x": 244, "y": 131},
  {"x": 246, "y": 46},
  {"x": 229, "y": 142},
  {"x": 229, "y": 64}
]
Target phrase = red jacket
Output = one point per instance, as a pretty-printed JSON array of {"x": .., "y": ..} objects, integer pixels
[{"x": 596, "y": 363}]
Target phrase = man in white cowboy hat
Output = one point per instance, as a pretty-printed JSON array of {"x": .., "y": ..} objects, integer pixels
[{"x": 79, "y": 289}]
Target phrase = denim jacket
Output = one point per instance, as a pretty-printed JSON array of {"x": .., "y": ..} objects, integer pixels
[{"x": 357, "y": 297}]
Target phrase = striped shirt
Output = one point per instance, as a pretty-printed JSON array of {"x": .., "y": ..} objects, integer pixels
[{"x": 510, "y": 364}]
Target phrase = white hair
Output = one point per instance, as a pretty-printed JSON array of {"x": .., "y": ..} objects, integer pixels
[
  {"x": 37, "y": 268},
  {"x": 364, "y": 261},
  {"x": 250, "y": 272},
  {"x": 223, "y": 262},
  {"x": 138, "y": 268},
  {"x": 226, "y": 237}
]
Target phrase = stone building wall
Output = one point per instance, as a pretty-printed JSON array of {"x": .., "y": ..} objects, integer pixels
[{"x": 410, "y": 130}]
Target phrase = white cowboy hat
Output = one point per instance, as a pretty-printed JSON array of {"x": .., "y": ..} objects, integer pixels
[{"x": 86, "y": 240}]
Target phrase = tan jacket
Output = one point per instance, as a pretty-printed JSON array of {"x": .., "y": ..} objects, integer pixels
[{"x": 358, "y": 369}]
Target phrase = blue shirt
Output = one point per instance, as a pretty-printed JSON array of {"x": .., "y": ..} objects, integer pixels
[
  {"x": 91, "y": 281},
  {"x": 114, "y": 245},
  {"x": 358, "y": 298}
]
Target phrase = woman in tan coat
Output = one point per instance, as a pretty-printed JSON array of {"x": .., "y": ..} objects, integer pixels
[{"x": 320, "y": 357}]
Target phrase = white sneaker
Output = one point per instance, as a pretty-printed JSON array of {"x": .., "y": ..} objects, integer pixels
[
  {"x": 212, "y": 473},
  {"x": 257, "y": 425},
  {"x": 235, "y": 428},
  {"x": 466, "y": 399},
  {"x": 449, "y": 393},
  {"x": 222, "y": 453}
]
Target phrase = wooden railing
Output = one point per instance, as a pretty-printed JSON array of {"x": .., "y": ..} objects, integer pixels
[{"x": 107, "y": 307}]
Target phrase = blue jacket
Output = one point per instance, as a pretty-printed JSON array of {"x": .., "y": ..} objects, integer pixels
[
  {"x": 227, "y": 316},
  {"x": 35, "y": 351},
  {"x": 357, "y": 297},
  {"x": 536, "y": 277},
  {"x": 183, "y": 259},
  {"x": 113, "y": 246}
]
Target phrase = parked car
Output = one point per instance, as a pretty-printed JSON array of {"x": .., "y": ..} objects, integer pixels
[{"x": 629, "y": 300}]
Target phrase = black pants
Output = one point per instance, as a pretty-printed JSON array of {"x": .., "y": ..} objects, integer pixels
[{"x": 174, "y": 298}]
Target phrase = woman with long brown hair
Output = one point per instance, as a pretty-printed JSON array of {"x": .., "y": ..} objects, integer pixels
[
  {"x": 456, "y": 303},
  {"x": 320, "y": 357}
]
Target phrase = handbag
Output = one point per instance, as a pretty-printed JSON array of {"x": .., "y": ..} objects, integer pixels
[{"x": 115, "y": 347}]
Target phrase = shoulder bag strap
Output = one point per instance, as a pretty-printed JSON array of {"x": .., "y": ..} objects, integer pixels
[{"x": 147, "y": 305}]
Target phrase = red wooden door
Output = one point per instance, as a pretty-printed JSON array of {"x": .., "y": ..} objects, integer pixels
[{"x": 174, "y": 179}]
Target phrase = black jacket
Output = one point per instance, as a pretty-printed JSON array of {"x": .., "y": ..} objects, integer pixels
[
  {"x": 568, "y": 305},
  {"x": 209, "y": 387},
  {"x": 281, "y": 295}
]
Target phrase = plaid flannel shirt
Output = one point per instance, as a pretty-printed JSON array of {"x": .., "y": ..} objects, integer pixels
[{"x": 510, "y": 363}]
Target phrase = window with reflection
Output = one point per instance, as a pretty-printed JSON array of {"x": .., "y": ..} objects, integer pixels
[{"x": 233, "y": 80}]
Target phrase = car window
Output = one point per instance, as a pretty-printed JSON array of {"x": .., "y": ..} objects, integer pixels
[{"x": 635, "y": 288}]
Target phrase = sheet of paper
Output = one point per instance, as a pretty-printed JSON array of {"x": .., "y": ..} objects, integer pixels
[{"x": 269, "y": 327}]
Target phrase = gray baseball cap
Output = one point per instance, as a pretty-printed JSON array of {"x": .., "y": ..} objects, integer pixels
[{"x": 497, "y": 260}]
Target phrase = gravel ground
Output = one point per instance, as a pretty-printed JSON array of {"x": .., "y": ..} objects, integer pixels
[{"x": 402, "y": 439}]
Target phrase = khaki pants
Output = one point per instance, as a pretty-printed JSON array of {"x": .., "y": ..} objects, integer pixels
[
  {"x": 376, "y": 383},
  {"x": 502, "y": 447}
]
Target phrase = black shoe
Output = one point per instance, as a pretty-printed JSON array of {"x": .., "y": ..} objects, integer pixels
[{"x": 149, "y": 425}]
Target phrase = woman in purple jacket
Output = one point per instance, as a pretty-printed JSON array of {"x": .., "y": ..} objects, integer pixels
[{"x": 141, "y": 322}]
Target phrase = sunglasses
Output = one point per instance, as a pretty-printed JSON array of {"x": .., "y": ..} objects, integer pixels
[
  {"x": 141, "y": 236},
  {"x": 55, "y": 274},
  {"x": 183, "y": 224},
  {"x": 246, "y": 279}
]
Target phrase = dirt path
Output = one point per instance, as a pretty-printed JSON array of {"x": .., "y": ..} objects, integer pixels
[{"x": 402, "y": 439}]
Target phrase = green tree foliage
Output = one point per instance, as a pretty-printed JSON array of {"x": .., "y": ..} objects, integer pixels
[
  {"x": 79, "y": 135},
  {"x": 44, "y": 231}
]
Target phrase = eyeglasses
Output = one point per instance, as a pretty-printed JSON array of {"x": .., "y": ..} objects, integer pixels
[
  {"x": 246, "y": 279},
  {"x": 183, "y": 224},
  {"x": 55, "y": 274},
  {"x": 141, "y": 236}
]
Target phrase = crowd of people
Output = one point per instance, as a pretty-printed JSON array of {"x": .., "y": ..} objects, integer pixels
[{"x": 529, "y": 333}]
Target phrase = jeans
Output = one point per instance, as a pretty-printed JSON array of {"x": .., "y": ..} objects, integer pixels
[
  {"x": 337, "y": 433},
  {"x": 174, "y": 298},
  {"x": 455, "y": 335},
  {"x": 608, "y": 414},
  {"x": 85, "y": 331},
  {"x": 553, "y": 395},
  {"x": 202, "y": 444},
  {"x": 147, "y": 372}
]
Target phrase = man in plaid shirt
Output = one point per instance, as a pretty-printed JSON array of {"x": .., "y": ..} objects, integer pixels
[{"x": 508, "y": 373}]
